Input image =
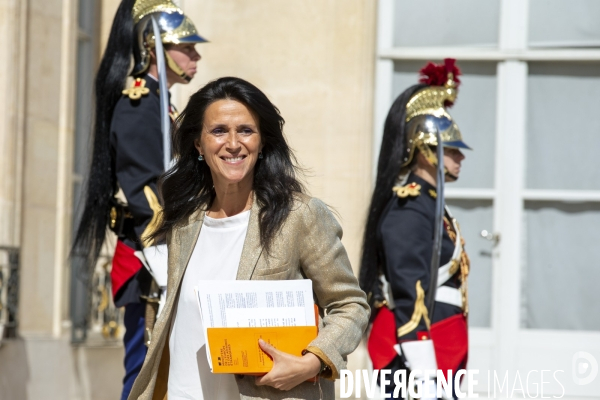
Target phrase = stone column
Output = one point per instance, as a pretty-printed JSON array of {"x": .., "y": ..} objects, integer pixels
[
  {"x": 47, "y": 183},
  {"x": 37, "y": 38},
  {"x": 40, "y": 135},
  {"x": 13, "y": 33},
  {"x": 12, "y": 81}
]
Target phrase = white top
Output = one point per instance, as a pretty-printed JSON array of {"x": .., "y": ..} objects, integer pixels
[{"x": 216, "y": 256}]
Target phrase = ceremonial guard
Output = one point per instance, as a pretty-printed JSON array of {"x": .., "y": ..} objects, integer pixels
[
  {"x": 414, "y": 267},
  {"x": 131, "y": 149}
]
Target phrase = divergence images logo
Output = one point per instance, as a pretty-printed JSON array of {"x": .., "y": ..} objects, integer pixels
[{"x": 585, "y": 368}]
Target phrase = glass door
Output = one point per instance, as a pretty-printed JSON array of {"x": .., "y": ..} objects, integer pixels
[{"x": 528, "y": 200}]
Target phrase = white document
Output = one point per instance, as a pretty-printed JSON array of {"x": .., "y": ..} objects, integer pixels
[{"x": 234, "y": 304}]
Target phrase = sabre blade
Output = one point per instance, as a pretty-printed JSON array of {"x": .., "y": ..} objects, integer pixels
[
  {"x": 438, "y": 229},
  {"x": 165, "y": 121}
]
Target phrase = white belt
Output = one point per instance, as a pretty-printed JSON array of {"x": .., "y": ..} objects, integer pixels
[
  {"x": 449, "y": 295},
  {"x": 444, "y": 271}
]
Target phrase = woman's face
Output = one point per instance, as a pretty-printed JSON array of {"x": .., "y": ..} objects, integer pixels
[{"x": 230, "y": 142}]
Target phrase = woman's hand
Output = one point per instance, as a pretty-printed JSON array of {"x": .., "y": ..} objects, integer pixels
[{"x": 288, "y": 370}]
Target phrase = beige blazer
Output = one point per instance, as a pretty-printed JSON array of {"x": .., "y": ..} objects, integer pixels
[{"x": 308, "y": 246}]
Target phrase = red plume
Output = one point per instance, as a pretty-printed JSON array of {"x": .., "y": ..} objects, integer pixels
[{"x": 437, "y": 75}]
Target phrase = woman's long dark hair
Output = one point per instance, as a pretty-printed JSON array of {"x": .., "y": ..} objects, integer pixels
[
  {"x": 101, "y": 181},
  {"x": 391, "y": 156},
  {"x": 188, "y": 186}
]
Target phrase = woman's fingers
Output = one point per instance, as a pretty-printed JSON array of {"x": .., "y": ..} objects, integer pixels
[
  {"x": 288, "y": 370},
  {"x": 273, "y": 353},
  {"x": 264, "y": 380},
  {"x": 267, "y": 348}
]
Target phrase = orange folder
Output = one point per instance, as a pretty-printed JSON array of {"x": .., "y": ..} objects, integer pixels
[{"x": 236, "y": 350}]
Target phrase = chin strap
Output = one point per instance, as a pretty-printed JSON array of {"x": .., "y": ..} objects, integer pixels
[
  {"x": 176, "y": 68},
  {"x": 452, "y": 177},
  {"x": 432, "y": 159},
  {"x": 430, "y": 156}
]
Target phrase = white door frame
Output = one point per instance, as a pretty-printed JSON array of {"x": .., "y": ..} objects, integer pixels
[{"x": 505, "y": 346}]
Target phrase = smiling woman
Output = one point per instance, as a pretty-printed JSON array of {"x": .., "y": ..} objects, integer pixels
[
  {"x": 217, "y": 123},
  {"x": 234, "y": 209},
  {"x": 230, "y": 144}
]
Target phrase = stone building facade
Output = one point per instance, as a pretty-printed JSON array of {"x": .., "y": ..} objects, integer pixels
[{"x": 314, "y": 59}]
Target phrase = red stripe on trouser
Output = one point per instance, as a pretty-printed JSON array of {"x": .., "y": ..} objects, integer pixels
[
  {"x": 451, "y": 342},
  {"x": 382, "y": 338}
]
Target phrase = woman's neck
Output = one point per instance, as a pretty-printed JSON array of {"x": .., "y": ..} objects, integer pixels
[{"x": 231, "y": 200}]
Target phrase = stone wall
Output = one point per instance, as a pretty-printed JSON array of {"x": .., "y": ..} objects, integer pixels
[{"x": 314, "y": 59}]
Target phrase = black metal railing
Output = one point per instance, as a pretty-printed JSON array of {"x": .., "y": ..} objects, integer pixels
[
  {"x": 9, "y": 292},
  {"x": 92, "y": 308},
  {"x": 79, "y": 299}
]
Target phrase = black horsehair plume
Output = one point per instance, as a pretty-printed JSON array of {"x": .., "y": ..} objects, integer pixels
[
  {"x": 101, "y": 179},
  {"x": 388, "y": 168}
]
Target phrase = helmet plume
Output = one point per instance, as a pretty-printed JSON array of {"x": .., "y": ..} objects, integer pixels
[{"x": 445, "y": 74}]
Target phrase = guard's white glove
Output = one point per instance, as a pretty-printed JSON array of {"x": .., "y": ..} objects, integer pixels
[
  {"x": 155, "y": 260},
  {"x": 420, "y": 359}
]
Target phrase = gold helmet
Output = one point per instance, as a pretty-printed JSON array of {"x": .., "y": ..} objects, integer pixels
[
  {"x": 426, "y": 112},
  {"x": 175, "y": 27}
]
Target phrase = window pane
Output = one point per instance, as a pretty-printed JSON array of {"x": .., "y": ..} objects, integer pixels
[
  {"x": 446, "y": 23},
  {"x": 475, "y": 113},
  {"x": 474, "y": 216},
  {"x": 563, "y": 23},
  {"x": 563, "y": 126},
  {"x": 561, "y": 275}
]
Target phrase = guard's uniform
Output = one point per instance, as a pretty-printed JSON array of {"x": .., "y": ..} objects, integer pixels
[
  {"x": 396, "y": 267},
  {"x": 405, "y": 234},
  {"x": 137, "y": 153},
  {"x": 128, "y": 155}
]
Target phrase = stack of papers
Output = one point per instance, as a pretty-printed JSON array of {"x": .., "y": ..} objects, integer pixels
[{"x": 235, "y": 314}]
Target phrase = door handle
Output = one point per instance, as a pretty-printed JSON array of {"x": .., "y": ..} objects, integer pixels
[{"x": 492, "y": 237}]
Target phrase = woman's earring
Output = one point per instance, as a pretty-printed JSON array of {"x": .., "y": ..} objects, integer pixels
[
  {"x": 260, "y": 156},
  {"x": 200, "y": 158}
]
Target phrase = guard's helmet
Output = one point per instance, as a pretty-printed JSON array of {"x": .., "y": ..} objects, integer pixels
[
  {"x": 175, "y": 27},
  {"x": 426, "y": 112}
]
